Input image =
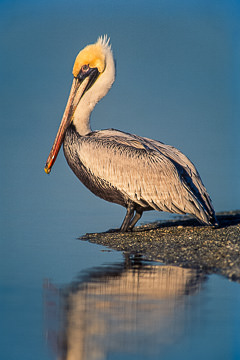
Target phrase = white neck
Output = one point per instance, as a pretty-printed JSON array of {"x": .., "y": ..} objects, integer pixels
[{"x": 99, "y": 89}]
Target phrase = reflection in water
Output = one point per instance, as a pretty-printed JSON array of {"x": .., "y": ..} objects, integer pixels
[{"x": 132, "y": 307}]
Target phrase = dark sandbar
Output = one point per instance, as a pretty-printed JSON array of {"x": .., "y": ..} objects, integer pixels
[{"x": 184, "y": 243}]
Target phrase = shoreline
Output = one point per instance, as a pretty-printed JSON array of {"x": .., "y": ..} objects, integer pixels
[{"x": 182, "y": 242}]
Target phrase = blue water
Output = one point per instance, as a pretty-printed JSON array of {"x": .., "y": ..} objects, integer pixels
[
  {"x": 143, "y": 310},
  {"x": 178, "y": 81}
]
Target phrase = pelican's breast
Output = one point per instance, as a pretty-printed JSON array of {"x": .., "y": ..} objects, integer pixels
[{"x": 80, "y": 152}]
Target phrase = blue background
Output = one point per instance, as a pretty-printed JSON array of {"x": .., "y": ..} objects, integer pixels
[{"x": 178, "y": 81}]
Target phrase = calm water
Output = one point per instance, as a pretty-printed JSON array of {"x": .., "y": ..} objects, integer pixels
[
  {"x": 139, "y": 310},
  {"x": 178, "y": 81}
]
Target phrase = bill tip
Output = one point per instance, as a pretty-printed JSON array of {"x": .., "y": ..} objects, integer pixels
[{"x": 47, "y": 170}]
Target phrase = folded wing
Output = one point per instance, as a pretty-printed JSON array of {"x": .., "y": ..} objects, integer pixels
[{"x": 148, "y": 172}]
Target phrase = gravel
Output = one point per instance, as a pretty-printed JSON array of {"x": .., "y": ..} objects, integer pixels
[{"x": 184, "y": 243}]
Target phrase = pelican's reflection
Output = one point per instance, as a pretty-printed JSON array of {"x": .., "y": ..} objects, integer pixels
[{"x": 133, "y": 307}]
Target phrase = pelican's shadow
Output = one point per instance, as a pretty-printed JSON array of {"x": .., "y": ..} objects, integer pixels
[{"x": 224, "y": 220}]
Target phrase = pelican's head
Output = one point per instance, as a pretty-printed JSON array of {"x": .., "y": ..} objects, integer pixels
[{"x": 94, "y": 74}]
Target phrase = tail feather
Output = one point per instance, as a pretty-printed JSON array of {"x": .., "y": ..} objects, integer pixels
[{"x": 207, "y": 217}]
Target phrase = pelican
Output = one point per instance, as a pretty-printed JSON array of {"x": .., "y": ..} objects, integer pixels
[{"x": 138, "y": 173}]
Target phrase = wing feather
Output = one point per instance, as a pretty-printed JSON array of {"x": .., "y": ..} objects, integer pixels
[{"x": 147, "y": 171}]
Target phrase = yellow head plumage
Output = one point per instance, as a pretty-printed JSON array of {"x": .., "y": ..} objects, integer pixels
[{"x": 92, "y": 55}]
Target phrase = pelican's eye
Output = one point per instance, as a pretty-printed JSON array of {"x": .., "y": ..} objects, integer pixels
[
  {"x": 91, "y": 73},
  {"x": 84, "y": 72},
  {"x": 85, "y": 68}
]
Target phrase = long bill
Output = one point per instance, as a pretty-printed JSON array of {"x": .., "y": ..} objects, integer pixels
[{"x": 75, "y": 95}]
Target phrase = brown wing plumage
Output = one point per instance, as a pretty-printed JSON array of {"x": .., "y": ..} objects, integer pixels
[{"x": 148, "y": 172}]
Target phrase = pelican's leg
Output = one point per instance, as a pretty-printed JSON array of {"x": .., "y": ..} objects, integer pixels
[
  {"x": 133, "y": 222},
  {"x": 128, "y": 217}
]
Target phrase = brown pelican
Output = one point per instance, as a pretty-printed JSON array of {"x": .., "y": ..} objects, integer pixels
[{"x": 136, "y": 172}]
